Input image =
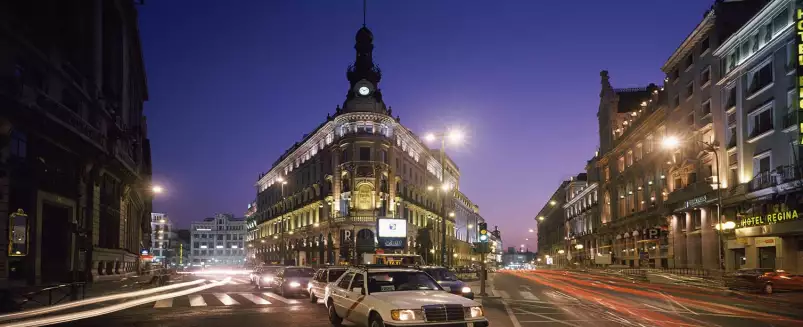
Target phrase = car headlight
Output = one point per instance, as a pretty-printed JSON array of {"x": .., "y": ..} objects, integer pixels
[
  {"x": 407, "y": 315},
  {"x": 473, "y": 312},
  {"x": 295, "y": 284},
  {"x": 267, "y": 278},
  {"x": 466, "y": 289}
]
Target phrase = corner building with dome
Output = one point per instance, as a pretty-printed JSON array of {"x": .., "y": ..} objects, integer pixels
[{"x": 319, "y": 202}]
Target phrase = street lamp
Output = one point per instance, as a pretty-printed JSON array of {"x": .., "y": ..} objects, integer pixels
[
  {"x": 540, "y": 218},
  {"x": 156, "y": 189},
  {"x": 552, "y": 202},
  {"x": 672, "y": 142},
  {"x": 454, "y": 136}
]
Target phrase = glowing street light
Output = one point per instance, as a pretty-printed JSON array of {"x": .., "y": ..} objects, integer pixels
[
  {"x": 456, "y": 135},
  {"x": 430, "y": 188},
  {"x": 156, "y": 189},
  {"x": 553, "y": 202},
  {"x": 561, "y": 252},
  {"x": 541, "y": 218},
  {"x": 670, "y": 142},
  {"x": 532, "y": 230}
]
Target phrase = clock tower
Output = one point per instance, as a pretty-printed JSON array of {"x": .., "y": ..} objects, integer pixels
[{"x": 364, "y": 76}]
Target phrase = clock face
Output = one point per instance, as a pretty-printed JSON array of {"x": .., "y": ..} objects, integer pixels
[{"x": 364, "y": 90}]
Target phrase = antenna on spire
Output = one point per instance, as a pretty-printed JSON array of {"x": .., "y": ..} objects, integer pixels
[{"x": 364, "y": 6}]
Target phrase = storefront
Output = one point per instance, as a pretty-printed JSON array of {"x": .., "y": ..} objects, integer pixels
[{"x": 768, "y": 234}]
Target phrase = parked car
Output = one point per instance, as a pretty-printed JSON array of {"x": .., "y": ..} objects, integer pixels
[
  {"x": 322, "y": 278},
  {"x": 766, "y": 280},
  {"x": 292, "y": 280},
  {"x": 449, "y": 281},
  {"x": 397, "y": 296},
  {"x": 263, "y": 277}
]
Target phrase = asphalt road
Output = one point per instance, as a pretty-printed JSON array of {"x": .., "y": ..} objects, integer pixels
[
  {"x": 236, "y": 304},
  {"x": 558, "y": 298}
]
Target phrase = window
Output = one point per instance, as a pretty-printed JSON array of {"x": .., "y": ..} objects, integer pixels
[
  {"x": 791, "y": 56},
  {"x": 621, "y": 164},
  {"x": 689, "y": 61},
  {"x": 344, "y": 155},
  {"x": 383, "y": 156},
  {"x": 638, "y": 153},
  {"x": 607, "y": 173},
  {"x": 780, "y": 22},
  {"x": 365, "y": 153},
  {"x": 762, "y": 162},
  {"x": 791, "y": 96},
  {"x": 705, "y": 45},
  {"x": 794, "y": 153},
  {"x": 706, "y": 108},
  {"x": 649, "y": 143},
  {"x": 690, "y": 119},
  {"x": 705, "y": 76},
  {"x": 690, "y": 89},
  {"x": 731, "y": 136},
  {"x": 19, "y": 144},
  {"x": 760, "y": 79},
  {"x": 730, "y": 97},
  {"x": 675, "y": 101},
  {"x": 760, "y": 120},
  {"x": 629, "y": 158}
]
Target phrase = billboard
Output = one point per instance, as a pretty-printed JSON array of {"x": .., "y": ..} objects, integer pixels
[{"x": 391, "y": 233}]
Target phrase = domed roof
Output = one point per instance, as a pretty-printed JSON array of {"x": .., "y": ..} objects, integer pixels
[{"x": 364, "y": 35}]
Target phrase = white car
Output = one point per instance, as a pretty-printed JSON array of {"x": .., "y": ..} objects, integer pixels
[
  {"x": 378, "y": 296},
  {"x": 323, "y": 277}
]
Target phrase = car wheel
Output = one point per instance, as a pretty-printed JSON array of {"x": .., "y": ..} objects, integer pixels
[
  {"x": 376, "y": 321},
  {"x": 312, "y": 297},
  {"x": 333, "y": 318},
  {"x": 768, "y": 289}
]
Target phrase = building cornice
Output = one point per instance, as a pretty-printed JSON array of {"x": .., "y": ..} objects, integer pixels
[
  {"x": 688, "y": 44},
  {"x": 588, "y": 189},
  {"x": 767, "y": 13}
]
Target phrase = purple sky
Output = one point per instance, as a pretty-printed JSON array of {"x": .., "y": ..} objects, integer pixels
[{"x": 231, "y": 87}]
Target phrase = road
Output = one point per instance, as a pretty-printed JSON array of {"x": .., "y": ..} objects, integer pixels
[
  {"x": 235, "y": 304},
  {"x": 560, "y": 298}
]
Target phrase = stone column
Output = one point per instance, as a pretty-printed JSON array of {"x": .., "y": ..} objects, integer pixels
[
  {"x": 709, "y": 239},
  {"x": 678, "y": 241}
]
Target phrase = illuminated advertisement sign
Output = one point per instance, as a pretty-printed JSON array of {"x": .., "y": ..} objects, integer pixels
[
  {"x": 391, "y": 227},
  {"x": 391, "y": 233},
  {"x": 799, "y": 69},
  {"x": 768, "y": 219}
]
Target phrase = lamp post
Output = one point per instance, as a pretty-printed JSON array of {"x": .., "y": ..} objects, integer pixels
[
  {"x": 672, "y": 142},
  {"x": 454, "y": 136}
]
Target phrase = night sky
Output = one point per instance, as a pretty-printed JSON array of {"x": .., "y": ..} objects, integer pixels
[{"x": 233, "y": 86}]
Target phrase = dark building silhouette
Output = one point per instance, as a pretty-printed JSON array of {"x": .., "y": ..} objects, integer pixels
[{"x": 74, "y": 152}]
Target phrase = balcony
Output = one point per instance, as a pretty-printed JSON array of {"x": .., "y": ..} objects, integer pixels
[
  {"x": 772, "y": 178},
  {"x": 690, "y": 191},
  {"x": 340, "y": 219}
]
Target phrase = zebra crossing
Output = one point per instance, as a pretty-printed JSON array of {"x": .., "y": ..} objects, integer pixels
[
  {"x": 504, "y": 295},
  {"x": 227, "y": 299}
]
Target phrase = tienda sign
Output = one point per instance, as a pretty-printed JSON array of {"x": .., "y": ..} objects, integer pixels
[{"x": 768, "y": 219}]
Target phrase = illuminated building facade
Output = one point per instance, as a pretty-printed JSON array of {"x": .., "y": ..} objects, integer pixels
[
  {"x": 162, "y": 238},
  {"x": 319, "y": 201},
  {"x": 551, "y": 230},
  {"x": 761, "y": 158},
  {"x": 218, "y": 241}
]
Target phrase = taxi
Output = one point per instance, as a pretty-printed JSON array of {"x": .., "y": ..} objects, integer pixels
[{"x": 379, "y": 295}]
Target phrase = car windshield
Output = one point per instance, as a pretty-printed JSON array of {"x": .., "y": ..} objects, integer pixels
[
  {"x": 302, "y": 272},
  {"x": 391, "y": 281},
  {"x": 334, "y": 274},
  {"x": 442, "y": 275}
]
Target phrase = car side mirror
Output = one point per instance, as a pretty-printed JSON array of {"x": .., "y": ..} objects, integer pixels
[{"x": 357, "y": 290}]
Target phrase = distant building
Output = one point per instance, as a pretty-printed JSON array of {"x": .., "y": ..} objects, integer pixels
[
  {"x": 517, "y": 259},
  {"x": 162, "y": 237},
  {"x": 218, "y": 241}
]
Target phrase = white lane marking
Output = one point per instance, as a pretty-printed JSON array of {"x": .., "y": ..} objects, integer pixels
[
  {"x": 676, "y": 302},
  {"x": 539, "y": 315},
  {"x": 280, "y": 298},
  {"x": 197, "y": 301},
  {"x": 503, "y": 294},
  {"x": 232, "y": 282},
  {"x": 528, "y": 296},
  {"x": 242, "y": 281},
  {"x": 254, "y": 298},
  {"x": 226, "y": 299},
  {"x": 166, "y": 303},
  {"x": 510, "y": 314}
]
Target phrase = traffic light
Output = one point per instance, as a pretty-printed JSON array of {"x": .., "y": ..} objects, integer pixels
[{"x": 483, "y": 227}]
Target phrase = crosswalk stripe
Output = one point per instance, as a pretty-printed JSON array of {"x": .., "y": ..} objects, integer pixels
[
  {"x": 166, "y": 303},
  {"x": 254, "y": 298},
  {"x": 226, "y": 299},
  {"x": 233, "y": 282},
  {"x": 528, "y": 295},
  {"x": 242, "y": 281},
  {"x": 197, "y": 301},
  {"x": 503, "y": 294},
  {"x": 280, "y": 298}
]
